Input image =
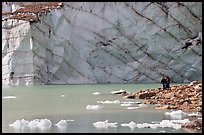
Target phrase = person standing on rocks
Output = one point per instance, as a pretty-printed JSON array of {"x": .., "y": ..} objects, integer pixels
[
  {"x": 164, "y": 83},
  {"x": 168, "y": 82}
]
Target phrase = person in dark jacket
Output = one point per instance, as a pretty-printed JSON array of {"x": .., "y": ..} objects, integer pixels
[
  {"x": 168, "y": 82},
  {"x": 164, "y": 83}
]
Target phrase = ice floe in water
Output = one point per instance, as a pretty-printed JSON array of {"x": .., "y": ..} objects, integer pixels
[
  {"x": 7, "y": 97},
  {"x": 162, "y": 131},
  {"x": 176, "y": 124},
  {"x": 131, "y": 108},
  {"x": 40, "y": 123},
  {"x": 62, "y": 96},
  {"x": 118, "y": 91},
  {"x": 194, "y": 115},
  {"x": 62, "y": 123},
  {"x": 179, "y": 114},
  {"x": 132, "y": 125},
  {"x": 96, "y": 93},
  {"x": 142, "y": 105},
  {"x": 104, "y": 124},
  {"x": 93, "y": 107},
  {"x": 19, "y": 123},
  {"x": 125, "y": 104},
  {"x": 109, "y": 102}
]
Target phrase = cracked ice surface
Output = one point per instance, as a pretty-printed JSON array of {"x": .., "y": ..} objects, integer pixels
[{"x": 88, "y": 43}]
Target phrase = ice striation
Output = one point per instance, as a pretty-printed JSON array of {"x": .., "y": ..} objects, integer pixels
[{"x": 101, "y": 42}]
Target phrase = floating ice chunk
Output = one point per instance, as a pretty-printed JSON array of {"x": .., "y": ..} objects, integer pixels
[
  {"x": 7, "y": 97},
  {"x": 193, "y": 115},
  {"x": 62, "y": 96},
  {"x": 180, "y": 121},
  {"x": 162, "y": 131},
  {"x": 121, "y": 91},
  {"x": 179, "y": 114},
  {"x": 128, "y": 102},
  {"x": 125, "y": 104},
  {"x": 138, "y": 102},
  {"x": 69, "y": 120},
  {"x": 132, "y": 125},
  {"x": 34, "y": 123},
  {"x": 62, "y": 123},
  {"x": 131, "y": 108},
  {"x": 104, "y": 124},
  {"x": 143, "y": 125},
  {"x": 142, "y": 105},
  {"x": 93, "y": 107},
  {"x": 116, "y": 102},
  {"x": 40, "y": 123},
  {"x": 105, "y": 102},
  {"x": 44, "y": 123},
  {"x": 96, "y": 93},
  {"x": 109, "y": 102},
  {"x": 168, "y": 123},
  {"x": 176, "y": 124},
  {"x": 19, "y": 123}
]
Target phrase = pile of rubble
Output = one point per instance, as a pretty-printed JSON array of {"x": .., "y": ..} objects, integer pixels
[
  {"x": 183, "y": 97},
  {"x": 31, "y": 12}
]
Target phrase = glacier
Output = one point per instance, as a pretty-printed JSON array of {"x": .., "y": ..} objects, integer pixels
[{"x": 103, "y": 42}]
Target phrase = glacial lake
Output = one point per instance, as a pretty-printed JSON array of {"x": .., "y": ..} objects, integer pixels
[{"x": 69, "y": 102}]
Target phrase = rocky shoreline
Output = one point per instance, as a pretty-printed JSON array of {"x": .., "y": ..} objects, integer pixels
[{"x": 187, "y": 98}]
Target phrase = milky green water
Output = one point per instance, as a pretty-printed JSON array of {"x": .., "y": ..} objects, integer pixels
[{"x": 46, "y": 101}]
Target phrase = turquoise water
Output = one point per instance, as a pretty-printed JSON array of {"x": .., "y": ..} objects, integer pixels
[{"x": 46, "y": 101}]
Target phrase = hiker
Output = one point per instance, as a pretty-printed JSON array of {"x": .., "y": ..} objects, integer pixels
[
  {"x": 168, "y": 82},
  {"x": 11, "y": 77},
  {"x": 164, "y": 82}
]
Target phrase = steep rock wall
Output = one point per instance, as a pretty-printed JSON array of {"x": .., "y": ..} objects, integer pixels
[{"x": 117, "y": 42}]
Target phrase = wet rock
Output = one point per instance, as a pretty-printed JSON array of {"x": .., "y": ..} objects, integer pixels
[
  {"x": 193, "y": 124},
  {"x": 162, "y": 107},
  {"x": 129, "y": 96},
  {"x": 146, "y": 95}
]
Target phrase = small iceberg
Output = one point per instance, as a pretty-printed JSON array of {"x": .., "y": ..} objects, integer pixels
[
  {"x": 162, "y": 131},
  {"x": 125, "y": 104},
  {"x": 7, "y": 97},
  {"x": 132, "y": 125},
  {"x": 44, "y": 124},
  {"x": 62, "y": 96},
  {"x": 142, "y": 105},
  {"x": 194, "y": 115},
  {"x": 19, "y": 124},
  {"x": 104, "y": 124},
  {"x": 132, "y": 108},
  {"x": 40, "y": 123},
  {"x": 179, "y": 114},
  {"x": 121, "y": 91},
  {"x": 96, "y": 93},
  {"x": 69, "y": 120},
  {"x": 62, "y": 124},
  {"x": 176, "y": 124},
  {"x": 128, "y": 102},
  {"x": 93, "y": 107},
  {"x": 109, "y": 102}
]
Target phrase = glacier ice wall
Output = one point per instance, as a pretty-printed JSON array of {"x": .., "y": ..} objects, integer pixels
[{"x": 105, "y": 42}]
